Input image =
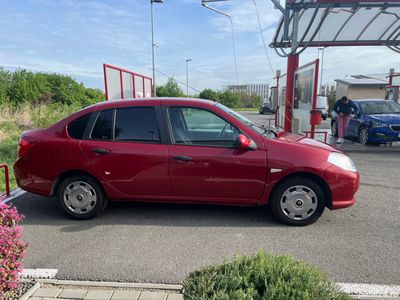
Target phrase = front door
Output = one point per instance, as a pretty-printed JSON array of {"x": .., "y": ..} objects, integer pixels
[
  {"x": 206, "y": 165},
  {"x": 129, "y": 155}
]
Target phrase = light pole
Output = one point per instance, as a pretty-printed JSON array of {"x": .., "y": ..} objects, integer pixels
[
  {"x": 153, "y": 44},
  {"x": 187, "y": 76},
  {"x": 322, "y": 69},
  {"x": 204, "y": 3}
]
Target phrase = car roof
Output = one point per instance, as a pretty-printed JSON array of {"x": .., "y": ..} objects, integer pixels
[
  {"x": 371, "y": 100},
  {"x": 126, "y": 102}
]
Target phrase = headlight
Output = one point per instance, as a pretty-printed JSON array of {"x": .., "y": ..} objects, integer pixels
[
  {"x": 342, "y": 161},
  {"x": 377, "y": 124}
]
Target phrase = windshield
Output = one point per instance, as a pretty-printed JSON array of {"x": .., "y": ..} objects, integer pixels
[
  {"x": 255, "y": 127},
  {"x": 380, "y": 107}
]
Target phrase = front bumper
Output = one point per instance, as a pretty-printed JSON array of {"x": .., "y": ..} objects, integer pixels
[
  {"x": 343, "y": 184},
  {"x": 383, "y": 135}
]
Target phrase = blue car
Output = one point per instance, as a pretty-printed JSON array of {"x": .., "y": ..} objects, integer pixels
[
  {"x": 378, "y": 121},
  {"x": 265, "y": 108}
]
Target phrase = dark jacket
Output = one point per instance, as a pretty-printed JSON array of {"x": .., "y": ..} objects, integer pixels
[{"x": 346, "y": 109}]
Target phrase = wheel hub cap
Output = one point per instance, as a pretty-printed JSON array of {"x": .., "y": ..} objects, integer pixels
[
  {"x": 80, "y": 197},
  {"x": 299, "y": 202}
]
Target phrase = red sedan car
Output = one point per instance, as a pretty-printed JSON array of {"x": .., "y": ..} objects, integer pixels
[{"x": 181, "y": 151}]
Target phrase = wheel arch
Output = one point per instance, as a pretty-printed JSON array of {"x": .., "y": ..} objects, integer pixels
[
  {"x": 320, "y": 181},
  {"x": 60, "y": 178}
]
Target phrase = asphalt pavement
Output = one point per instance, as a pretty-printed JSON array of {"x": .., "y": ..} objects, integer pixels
[{"x": 162, "y": 243}]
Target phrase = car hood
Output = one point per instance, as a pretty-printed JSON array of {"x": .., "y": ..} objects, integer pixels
[
  {"x": 385, "y": 118},
  {"x": 304, "y": 141}
]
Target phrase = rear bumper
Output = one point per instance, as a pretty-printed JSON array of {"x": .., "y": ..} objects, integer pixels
[
  {"x": 343, "y": 185},
  {"x": 30, "y": 182}
]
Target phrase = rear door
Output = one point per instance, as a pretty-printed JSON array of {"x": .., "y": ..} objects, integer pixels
[
  {"x": 206, "y": 165},
  {"x": 126, "y": 149}
]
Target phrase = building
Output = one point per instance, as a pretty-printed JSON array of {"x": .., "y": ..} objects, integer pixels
[
  {"x": 362, "y": 87},
  {"x": 260, "y": 89}
]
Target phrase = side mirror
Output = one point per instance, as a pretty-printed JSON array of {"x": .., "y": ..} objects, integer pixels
[{"x": 244, "y": 143}]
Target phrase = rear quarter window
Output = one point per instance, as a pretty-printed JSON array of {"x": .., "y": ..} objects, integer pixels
[
  {"x": 102, "y": 130},
  {"x": 77, "y": 127}
]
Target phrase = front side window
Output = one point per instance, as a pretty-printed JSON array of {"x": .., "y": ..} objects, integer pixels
[
  {"x": 137, "y": 124},
  {"x": 102, "y": 130},
  {"x": 195, "y": 126}
]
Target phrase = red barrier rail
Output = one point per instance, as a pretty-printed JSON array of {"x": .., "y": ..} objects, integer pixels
[
  {"x": 325, "y": 133},
  {"x": 5, "y": 167}
]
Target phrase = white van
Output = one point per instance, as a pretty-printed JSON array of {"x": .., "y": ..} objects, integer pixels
[{"x": 323, "y": 106}]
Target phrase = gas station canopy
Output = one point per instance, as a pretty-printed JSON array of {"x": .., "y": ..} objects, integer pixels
[{"x": 322, "y": 23}]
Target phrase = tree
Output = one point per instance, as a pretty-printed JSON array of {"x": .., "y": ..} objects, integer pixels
[
  {"x": 229, "y": 99},
  {"x": 209, "y": 95},
  {"x": 170, "y": 89}
]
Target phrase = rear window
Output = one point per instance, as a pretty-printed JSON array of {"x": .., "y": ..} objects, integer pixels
[
  {"x": 102, "y": 130},
  {"x": 136, "y": 124},
  {"x": 77, "y": 127}
]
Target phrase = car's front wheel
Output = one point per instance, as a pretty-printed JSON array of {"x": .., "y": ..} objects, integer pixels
[
  {"x": 81, "y": 197},
  {"x": 363, "y": 135},
  {"x": 298, "y": 201}
]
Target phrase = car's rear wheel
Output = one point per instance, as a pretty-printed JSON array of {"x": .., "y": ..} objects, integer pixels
[
  {"x": 298, "y": 201},
  {"x": 363, "y": 135},
  {"x": 81, "y": 197},
  {"x": 334, "y": 128}
]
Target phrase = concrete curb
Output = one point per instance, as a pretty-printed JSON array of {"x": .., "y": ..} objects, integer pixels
[
  {"x": 30, "y": 292},
  {"x": 370, "y": 291}
]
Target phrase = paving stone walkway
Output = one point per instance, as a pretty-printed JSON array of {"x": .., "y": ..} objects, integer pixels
[{"x": 81, "y": 293}]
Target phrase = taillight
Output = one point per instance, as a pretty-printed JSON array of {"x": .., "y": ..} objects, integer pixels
[{"x": 24, "y": 146}]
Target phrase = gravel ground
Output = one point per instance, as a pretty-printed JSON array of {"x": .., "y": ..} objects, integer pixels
[{"x": 22, "y": 289}]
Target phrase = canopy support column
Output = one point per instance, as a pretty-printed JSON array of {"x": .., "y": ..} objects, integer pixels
[{"x": 293, "y": 63}]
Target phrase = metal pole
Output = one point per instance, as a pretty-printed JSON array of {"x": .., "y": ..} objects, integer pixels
[
  {"x": 293, "y": 63},
  {"x": 204, "y": 3},
  {"x": 152, "y": 50},
  {"x": 187, "y": 77},
  {"x": 322, "y": 70}
]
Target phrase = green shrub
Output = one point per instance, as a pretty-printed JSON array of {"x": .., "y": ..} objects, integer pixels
[
  {"x": 261, "y": 277},
  {"x": 22, "y": 86}
]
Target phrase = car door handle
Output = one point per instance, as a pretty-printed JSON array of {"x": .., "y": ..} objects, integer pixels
[
  {"x": 183, "y": 158},
  {"x": 100, "y": 151}
]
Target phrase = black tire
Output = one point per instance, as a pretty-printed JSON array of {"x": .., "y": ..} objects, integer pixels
[
  {"x": 363, "y": 135},
  {"x": 334, "y": 128},
  {"x": 90, "y": 192},
  {"x": 307, "y": 186}
]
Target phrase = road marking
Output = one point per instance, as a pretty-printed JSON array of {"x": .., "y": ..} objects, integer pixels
[
  {"x": 375, "y": 290},
  {"x": 39, "y": 273},
  {"x": 14, "y": 194}
]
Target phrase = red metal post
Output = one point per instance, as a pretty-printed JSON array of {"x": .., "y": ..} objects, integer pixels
[
  {"x": 122, "y": 84},
  {"x": 134, "y": 86},
  {"x": 277, "y": 99},
  {"x": 314, "y": 100},
  {"x": 293, "y": 63},
  {"x": 144, "y": 88},
  {"x": 5, "y": 167},
  {"x": 105, "y": 80}
]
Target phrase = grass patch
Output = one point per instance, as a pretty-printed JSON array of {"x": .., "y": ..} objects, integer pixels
[
  {"x": 13, "y": 121},
  {"x": 261, "y": 277}
]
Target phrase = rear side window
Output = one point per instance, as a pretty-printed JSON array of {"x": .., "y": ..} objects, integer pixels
[
  {"x": 77, "y": 127},
  {"x": 137, "y": 124},
  {"x": 102, "y": 130}
]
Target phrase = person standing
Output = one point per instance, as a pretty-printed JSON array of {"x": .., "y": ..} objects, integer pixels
[{"x": 345, "y": 108}]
